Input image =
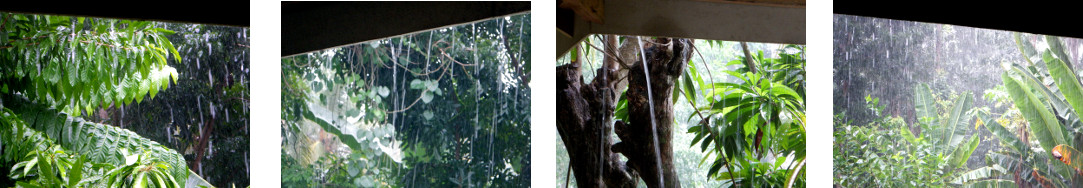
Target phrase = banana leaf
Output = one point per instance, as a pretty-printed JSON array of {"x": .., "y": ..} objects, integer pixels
[
  {"x": 955, "y": 127},
  {"x": 992, "y": 183},
  {"x": 925, "y": 105},
  {"x": 1006, "y": 137},
  {"x": 962, "y": 153},
  {"x": 1069, "y": 156},
  {"x": 979, "y": 174},
  {"x": 1058, "y": 48},
  {"x": 101, "y": 143},
  {"x": 1068, "y": 84},
  {"x": 1043, "y": 124}
]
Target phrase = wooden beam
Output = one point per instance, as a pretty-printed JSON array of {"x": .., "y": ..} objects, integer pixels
[{"x": 590, "y": 10}]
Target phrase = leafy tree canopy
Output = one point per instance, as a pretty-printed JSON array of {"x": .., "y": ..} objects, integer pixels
[
  {"x": 79, "y": 64},
  {"x": 441, "y": 108}
]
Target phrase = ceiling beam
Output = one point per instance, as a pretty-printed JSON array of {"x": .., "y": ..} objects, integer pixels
[{"x": 692, "y": 19}]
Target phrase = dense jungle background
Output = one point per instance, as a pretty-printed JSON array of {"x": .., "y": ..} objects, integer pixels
[{"x": 449, "y": 107}]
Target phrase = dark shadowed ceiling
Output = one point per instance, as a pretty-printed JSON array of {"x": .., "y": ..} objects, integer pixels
[
  {"x": 311, "y": 26},
  {"x": 231, "y": 14}
]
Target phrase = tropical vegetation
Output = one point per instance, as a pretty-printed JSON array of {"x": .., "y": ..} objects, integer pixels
[
  {"x": 442, "y": 108},
  {"x": 739, "y": 112},
  {"x": 63, "y": 77},
  {"x": 1027, "y": 131}
]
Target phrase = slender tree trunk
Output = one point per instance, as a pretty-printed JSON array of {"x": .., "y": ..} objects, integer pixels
[{"x": 585, "y": 117}]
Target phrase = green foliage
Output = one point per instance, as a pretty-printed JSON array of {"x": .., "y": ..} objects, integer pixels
[
  {"x": 78, "y": 64},
  {"x": 141, "y": 170},
  {"x": 887, "y": 153},
  {"x": 99, "y": 143},
  {"x": 411, "y": 111},
  {"x": 53, "y": 168},
  {"x": 765, "y": 109},
  {"x": 1046, "y": 93}
]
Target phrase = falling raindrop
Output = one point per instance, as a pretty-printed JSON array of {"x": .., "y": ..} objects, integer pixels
[{"x": 650, "y": 101}]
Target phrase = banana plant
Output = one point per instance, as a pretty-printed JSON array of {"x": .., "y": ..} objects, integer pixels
[
  {"x": 947, "y": 133},
  {"x": 948, "y": 138},
  {"x": 1048, "y": 95},
  {"x": 1069, "y": 156}
]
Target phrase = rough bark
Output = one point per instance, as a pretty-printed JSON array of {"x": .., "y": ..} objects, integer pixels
[{"x": 585, "y": 113}]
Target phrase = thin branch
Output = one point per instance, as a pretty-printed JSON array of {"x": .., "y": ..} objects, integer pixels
[
  {"x": 749, "y": 60},
  {"x": 619, "y": 60}
]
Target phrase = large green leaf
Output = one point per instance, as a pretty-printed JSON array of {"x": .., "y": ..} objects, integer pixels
[
  {"x": 979, "y": 174},
  {"x": 1058, "y": 48},
  {"x": 1006, "y": 137},
  {"x": 997, "y": 183},
  {"x": 955, "y": 127},
  {"x": 962, "y": 153},
  {"x": 347, "y": 139},
  {"x": 925, "y": 105},
  {"x": 1043, "y": 125},
  {"x": 1068, "y": 83}
]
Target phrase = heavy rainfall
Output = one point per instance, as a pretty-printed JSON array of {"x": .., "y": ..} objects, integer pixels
[
  {"x": 925, "y": 104},
  {"x": 448, "y": 107},
  {"x": 695, "y": 96},
  {"x": 135, "y": 103}
]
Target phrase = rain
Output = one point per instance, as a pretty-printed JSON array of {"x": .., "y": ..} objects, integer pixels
[{"x": 917, "y": 90}]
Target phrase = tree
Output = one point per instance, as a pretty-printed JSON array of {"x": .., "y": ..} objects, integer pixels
[
  {"x": 79, "y": 64},
  {"x": 57, "y": 67},
  {"x": 617, "y": 100},
  {"x": 588, "y": 109}
]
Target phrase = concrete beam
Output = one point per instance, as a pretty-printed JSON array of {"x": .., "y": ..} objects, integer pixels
[{"x": 693, "y": 19}]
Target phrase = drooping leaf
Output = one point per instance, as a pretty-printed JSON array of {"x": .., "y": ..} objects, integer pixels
[
  {"x": 1068, "y": 156},
  {"x": 1069, "y": 85},
  {"x": 925, "y": 105},
  {"x": 1043, "y": 125}
]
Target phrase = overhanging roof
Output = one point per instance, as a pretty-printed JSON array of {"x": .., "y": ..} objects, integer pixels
[
  {"x": 233, "y": 14},
  {"x": 752, "y": 21},
  {"x": 312, "y": 26},
  {"x": 1049, "y": 18}
]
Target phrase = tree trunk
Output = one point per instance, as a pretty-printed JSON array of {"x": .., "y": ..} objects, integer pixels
[{"x": 585, "y": 112}]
